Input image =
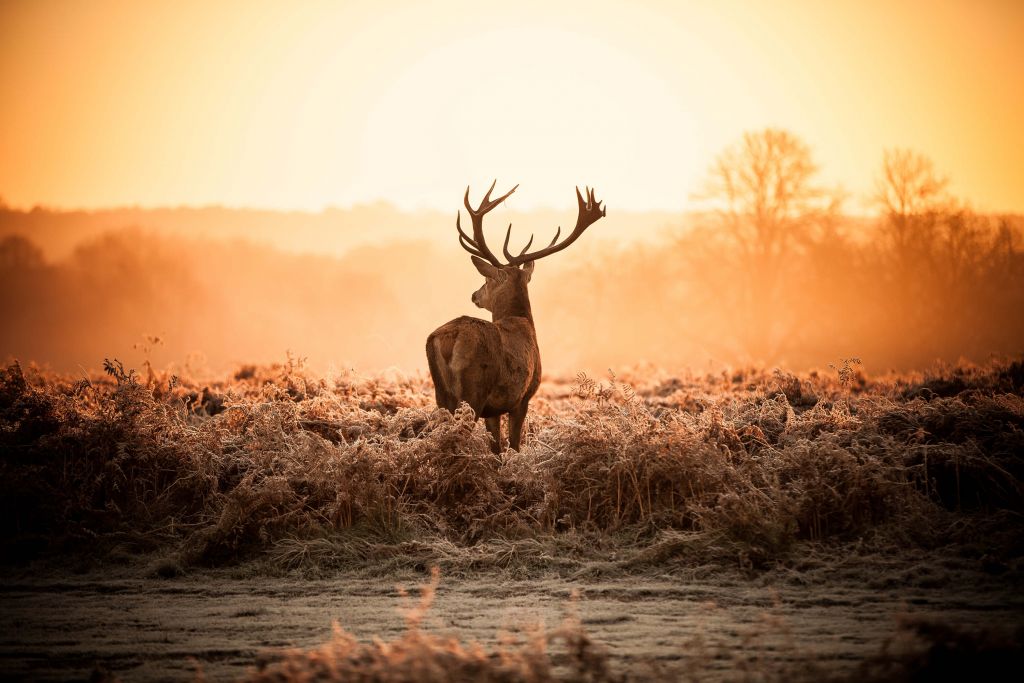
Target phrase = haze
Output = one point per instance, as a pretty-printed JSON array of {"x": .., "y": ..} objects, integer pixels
[{"x": 788, "y": 184}]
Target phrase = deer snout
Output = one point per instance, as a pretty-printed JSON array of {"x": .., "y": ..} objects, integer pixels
[{"x": 475, "y": 298}]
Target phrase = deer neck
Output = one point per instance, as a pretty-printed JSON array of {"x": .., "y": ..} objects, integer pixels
[{"x": 515, "y": 306}]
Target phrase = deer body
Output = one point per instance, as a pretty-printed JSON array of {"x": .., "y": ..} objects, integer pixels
[
  {"x": 492, "y": 366},
  {"x": 495, "y": 366}
]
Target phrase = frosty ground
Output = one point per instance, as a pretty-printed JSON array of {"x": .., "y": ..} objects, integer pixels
[
  {"x": 748, "y": 524},
  {"x": 828, "y": 616}
]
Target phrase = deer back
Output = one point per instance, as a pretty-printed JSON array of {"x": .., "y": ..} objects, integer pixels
[{"x": 491, "y": 366}]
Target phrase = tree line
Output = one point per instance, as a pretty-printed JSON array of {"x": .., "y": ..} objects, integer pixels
[{"x": 773, "y": 270}]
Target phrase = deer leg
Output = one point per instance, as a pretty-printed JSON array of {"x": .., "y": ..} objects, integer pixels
[
  {"x": 515, "y": 425},
  {"x": 444, "y": 399},
  {"x": 494, "y": 427}
]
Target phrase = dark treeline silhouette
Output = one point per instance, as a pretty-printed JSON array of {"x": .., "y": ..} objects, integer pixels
[{"x": 773, "y": 272}]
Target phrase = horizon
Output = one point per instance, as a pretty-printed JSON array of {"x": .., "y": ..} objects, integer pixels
[
  {"x": 853, "y": 207},
  {"x": 382, "y": 203}
]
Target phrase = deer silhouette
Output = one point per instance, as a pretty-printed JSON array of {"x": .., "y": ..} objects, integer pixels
[{"x": 495, "y": 366}]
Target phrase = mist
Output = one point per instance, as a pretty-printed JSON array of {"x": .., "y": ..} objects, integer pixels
[{"x": 699, "y": 292}]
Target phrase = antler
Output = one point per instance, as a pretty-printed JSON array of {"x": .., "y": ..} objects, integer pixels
[
  {"x": 590, "y": 211},
  {"x": 477, "y": 245}
]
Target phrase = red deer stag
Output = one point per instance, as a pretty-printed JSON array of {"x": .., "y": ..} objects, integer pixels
[{"x": 495, "y": 366}]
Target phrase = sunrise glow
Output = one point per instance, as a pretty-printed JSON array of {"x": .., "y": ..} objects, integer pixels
[
  {"x": 306, "y": 105},
  {"x": 282, "y": 400}
]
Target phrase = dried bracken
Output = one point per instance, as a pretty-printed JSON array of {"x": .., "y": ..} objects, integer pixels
[{"x": 314, "y": 472}]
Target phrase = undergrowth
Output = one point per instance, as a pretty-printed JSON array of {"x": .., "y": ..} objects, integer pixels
[{"x": 306, "y": 471}]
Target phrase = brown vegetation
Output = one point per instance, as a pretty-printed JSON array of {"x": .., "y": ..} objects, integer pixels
[
  {"x": 649, "y": 473},
  {"x": 736, "y": 467},
  {"x": 420, "y": 655}
]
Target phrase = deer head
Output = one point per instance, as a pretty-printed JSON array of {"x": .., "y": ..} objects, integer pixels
[{"x": 502, "y": 284}]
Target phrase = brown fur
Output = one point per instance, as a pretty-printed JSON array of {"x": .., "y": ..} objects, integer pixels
[{"x": 492, "y": 366}]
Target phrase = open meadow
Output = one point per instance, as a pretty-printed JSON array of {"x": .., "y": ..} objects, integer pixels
[{"x": 751, "y": 525}]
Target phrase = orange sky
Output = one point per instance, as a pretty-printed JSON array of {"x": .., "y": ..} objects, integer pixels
[{"x": 304, "y": 105}]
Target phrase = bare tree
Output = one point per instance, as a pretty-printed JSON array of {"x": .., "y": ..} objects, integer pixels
[
  {"x": 909, "y": 183},
  {"x": 913, "y": 199},
  {"x": 765, "y": 191},
  {"x": 768, "y": 207}
]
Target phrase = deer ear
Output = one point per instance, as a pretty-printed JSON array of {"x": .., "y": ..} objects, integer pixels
[
  {"x": 528, "y": 269},
  {"x": 485, "y": 268}
]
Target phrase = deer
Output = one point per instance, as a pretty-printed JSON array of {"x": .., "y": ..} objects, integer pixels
[{"x": 495, "y": 366}]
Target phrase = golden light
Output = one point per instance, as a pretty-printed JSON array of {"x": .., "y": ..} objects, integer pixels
[
  {"x": 546, "y": 107},
  {"x": 305, "y": 105}
]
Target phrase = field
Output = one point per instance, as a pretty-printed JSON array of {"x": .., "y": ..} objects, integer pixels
[
  {"x": 749, "y": 524},
  {"x": 779, "y": 434}
]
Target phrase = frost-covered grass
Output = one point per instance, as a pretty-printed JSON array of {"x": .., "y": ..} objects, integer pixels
[{"x": 646, "y": 469}]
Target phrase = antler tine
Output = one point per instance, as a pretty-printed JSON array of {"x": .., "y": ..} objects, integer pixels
[
  {"x": 555, "y": 238},
  {"x": 465, "y": 240},
  {"x": 458, "y": 226},
  {"x": 590, "y": 211},
  {"x": 486, "y": 204},
  {"x": 487, "y": 196},
  {"x": 508, "y": 234},
  {"x": 477, "y": 245},
  {"x": 490, "y": 205},
  {"x": 467, "y": 244}
]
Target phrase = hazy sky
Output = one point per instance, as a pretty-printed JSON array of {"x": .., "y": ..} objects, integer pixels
[{"x": 303, "y": 104}]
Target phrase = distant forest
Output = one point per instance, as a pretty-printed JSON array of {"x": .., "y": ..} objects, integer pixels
[{"x": 772, "y": 270}]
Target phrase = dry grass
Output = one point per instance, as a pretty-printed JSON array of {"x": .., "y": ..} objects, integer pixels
[
  {"x": 919, "y": 650},
  {"x": 565, "y": 653},
  {"x": 660, "y": 470}
]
